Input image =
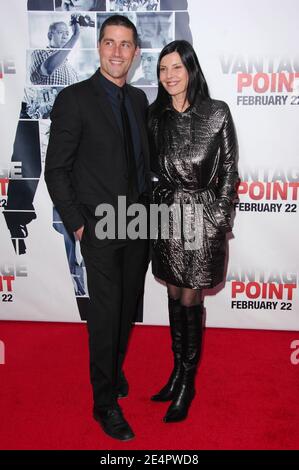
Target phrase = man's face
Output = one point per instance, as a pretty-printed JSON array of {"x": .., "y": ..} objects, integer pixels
[
  {"x": 117, "y": 52},
  {"x": 59, "y": 36},
  {"x": 149, "y": 64},
  {"x": 147, "y": 28}
]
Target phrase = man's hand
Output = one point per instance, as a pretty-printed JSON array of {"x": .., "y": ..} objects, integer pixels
[
  {"x": 75, "y": 26},
  {"x": 79, "y": 233},
  {"x": 66, "y": 4}
]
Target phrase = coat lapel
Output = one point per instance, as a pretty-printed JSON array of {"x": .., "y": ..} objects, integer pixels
[
  {"x": 103, "y": 101},
  {"x": 106, "y": 109},
  {"x": 143, "y": 131}
]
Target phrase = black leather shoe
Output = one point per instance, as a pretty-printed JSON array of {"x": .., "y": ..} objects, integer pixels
[
  {"x": 122, "y": 386},
  {"x": 113, "y": 423}
]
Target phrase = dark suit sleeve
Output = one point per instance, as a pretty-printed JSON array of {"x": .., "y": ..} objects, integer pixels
[
  {"x": 146, "y": 103},
  {"x": 152, "y": 123},
  {"x": 65, "y": 134}
]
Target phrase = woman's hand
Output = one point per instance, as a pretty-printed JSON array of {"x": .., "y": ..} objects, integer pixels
[
  {"x": 222, "y": 210},
  {"x": 79, "y": 233}
]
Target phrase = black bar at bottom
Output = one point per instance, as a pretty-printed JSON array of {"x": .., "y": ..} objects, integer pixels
[{"x": 139, "y": 458}]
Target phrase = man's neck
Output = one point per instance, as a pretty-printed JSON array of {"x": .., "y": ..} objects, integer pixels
[{"x": 117, "y": 81}]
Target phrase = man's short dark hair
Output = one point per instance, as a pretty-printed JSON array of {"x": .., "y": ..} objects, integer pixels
[{"x": 119, "y": 20}]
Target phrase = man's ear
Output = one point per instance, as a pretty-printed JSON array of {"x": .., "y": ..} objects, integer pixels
[
  {"x": 98, "y": 49},
  {"x": 137, "y": 52},
  {"x": 50, "y": 35}
]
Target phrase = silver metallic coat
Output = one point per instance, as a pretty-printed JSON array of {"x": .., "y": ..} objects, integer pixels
[{"x": 194, "y": 156}]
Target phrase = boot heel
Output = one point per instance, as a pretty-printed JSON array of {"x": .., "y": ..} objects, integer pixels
[
  {"x": 179, "y": 408},
  {"x": 167, "y": 393}
]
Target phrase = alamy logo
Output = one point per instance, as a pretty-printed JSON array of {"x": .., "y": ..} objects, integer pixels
[
  {"x": 295, "y": 354},
  {"x": 177, "y": 221}
]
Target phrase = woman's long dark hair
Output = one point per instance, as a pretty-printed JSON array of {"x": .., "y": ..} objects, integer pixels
[{"x": 197, "y": 85}]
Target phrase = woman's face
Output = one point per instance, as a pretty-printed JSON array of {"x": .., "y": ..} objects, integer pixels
[{"x": 173, "y": 75}]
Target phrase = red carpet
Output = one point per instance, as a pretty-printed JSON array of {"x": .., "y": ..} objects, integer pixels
[{"x": 247, "y": 391}]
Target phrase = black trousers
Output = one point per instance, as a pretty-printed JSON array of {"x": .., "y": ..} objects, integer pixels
[{"x": 115, "y": 277}]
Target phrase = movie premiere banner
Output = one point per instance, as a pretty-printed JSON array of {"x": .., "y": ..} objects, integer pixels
[{"x": 249, "y": 55}]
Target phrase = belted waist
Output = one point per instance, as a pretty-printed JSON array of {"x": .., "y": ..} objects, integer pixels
[
  {"x": 174, "y": 188},
  {"x": 189, "y": 212},
  {"x": 179, "y": 189},
  {"x": 167, "y": 193}
]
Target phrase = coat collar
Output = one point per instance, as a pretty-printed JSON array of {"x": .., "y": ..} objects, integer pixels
[
  {"x": 194, "y": 109},
  {"x": 103, "y": 100},
  {"x": 142, "y": 129},
  {"x": 106, "y": 108}
]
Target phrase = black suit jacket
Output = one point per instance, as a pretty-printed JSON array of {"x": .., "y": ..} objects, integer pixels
[{"x": 86, "y": 163}]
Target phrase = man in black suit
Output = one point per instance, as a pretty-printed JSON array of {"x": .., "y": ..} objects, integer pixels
[{"x": 98, "y": 151}]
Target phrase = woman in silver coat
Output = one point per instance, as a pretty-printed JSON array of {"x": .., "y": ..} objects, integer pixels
[{"x": 194, "y": 156}]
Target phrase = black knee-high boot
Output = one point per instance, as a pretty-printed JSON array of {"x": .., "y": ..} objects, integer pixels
[
  {"x": 175, "y": 321},
  {"x": 192, "y": 341}
]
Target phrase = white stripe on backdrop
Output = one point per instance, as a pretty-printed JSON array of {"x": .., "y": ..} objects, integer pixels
[{"x": 250, "y": 58}]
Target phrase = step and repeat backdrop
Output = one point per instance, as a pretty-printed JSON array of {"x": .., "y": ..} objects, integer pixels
[{"x": 250, "y": 58}]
